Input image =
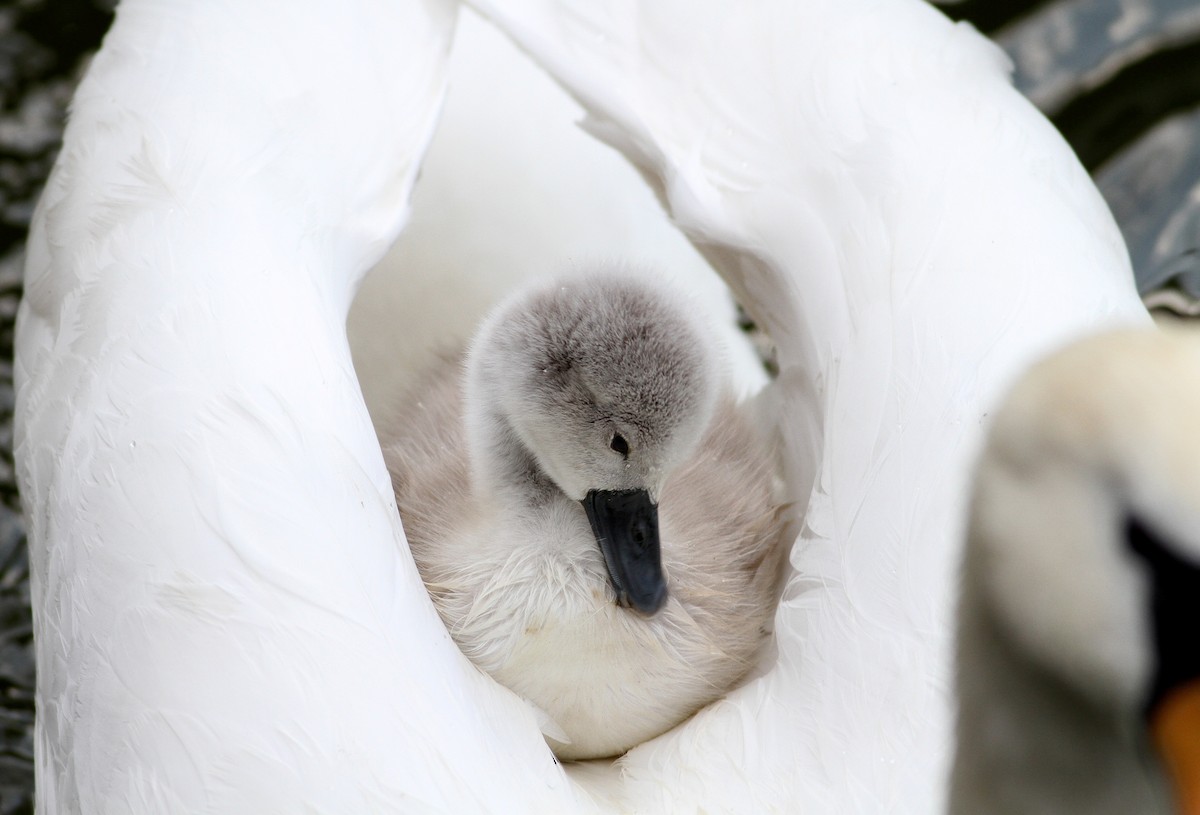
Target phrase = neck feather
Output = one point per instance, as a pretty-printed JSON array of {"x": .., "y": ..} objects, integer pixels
[
  {"x": 1029, "y": 743},
  {"x": 501, "y": 465}
]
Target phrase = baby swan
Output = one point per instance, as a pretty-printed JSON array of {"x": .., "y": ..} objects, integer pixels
[
  {"x": 1078, "y": 662},
  {"x": 596, "y": 521}
]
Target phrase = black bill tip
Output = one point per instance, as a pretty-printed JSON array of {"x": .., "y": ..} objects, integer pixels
[{"x": 625, "y": 523}]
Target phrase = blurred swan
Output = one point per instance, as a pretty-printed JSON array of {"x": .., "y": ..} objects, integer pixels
[
  {"x": 532, "y": 487},
  {"x": 227, "y": 615},
  {"x": 1077, "y": 660}
]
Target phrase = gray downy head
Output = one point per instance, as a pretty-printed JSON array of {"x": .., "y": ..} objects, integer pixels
[{"x": 595, "y": 387}]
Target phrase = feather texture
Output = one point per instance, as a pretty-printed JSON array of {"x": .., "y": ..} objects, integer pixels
[
  {"x": 219, "y": 575},
  {"x": 511, "y": 560},
  {"x": 227, "y": 617},
  {"x": 910, "y": 231}
]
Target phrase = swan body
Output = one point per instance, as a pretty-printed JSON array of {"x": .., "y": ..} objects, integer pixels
[
  {"x": 1083, "y": 528},
  {"x": 490, "y": 493},
  {"x": 226, "y": 612}
]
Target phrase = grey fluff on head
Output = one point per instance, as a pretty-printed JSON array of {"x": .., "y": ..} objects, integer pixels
[{"x": 566, "y": 366}]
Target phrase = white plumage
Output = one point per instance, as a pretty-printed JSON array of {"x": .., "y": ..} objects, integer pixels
[
  {"x": 227, "y": 617},
  {"x": 224, "y": 619}
]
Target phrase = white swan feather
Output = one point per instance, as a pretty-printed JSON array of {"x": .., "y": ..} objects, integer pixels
[{"x": 227, "y": 617}]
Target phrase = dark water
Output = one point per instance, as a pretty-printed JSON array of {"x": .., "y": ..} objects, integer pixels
[{"x": 1120, "y": 79}]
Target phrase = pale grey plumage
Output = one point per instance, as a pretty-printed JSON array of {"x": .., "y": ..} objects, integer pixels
[{"x": 490, "y": 460}]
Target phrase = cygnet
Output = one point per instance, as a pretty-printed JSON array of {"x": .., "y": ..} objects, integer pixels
[{"x": 598, "y": 522}]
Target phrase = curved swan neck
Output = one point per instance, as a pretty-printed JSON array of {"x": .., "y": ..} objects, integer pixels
[{"x": 1029, "y": 743}]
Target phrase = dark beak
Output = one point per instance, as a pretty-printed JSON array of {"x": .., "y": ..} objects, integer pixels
[{"x": 625, "y": 523}]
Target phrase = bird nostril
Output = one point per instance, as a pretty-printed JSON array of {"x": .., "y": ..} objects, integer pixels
[{"x": 640, "y": 534}]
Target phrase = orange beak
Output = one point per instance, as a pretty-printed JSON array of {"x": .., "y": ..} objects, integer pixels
[{"x": 1175, "y": 730}]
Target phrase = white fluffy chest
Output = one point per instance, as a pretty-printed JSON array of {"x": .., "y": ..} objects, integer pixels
[
  {"x": 536, "y": 598},
  {"x": 536, "y": 611}
]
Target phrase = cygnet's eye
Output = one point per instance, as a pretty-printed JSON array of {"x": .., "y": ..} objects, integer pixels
[{"x": 619, "y": 444}]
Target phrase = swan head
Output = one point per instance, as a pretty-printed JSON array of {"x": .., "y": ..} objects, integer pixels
[
  {"x": 1084, "y": 537},
  {"x": 596, "y": 387}
]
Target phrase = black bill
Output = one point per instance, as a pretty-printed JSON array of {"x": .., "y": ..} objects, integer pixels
[{"x": 625, "y": 523}]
